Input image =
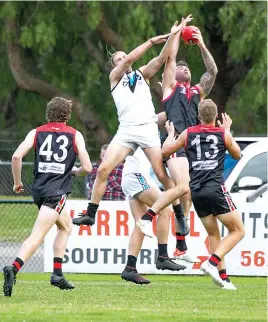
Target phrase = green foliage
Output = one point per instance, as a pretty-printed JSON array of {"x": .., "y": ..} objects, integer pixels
[
  {"x": 247, "y": 41},
  {"x": 53, "y": 49}
]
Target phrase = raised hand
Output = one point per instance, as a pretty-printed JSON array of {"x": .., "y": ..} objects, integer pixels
[
  {"x": 159, "y": 39},
  {"x": 18, "y": 188},
  {"x": 198, "y": 36},
  {"x": 170, "y": 127},
  {"x": 226, "y": 121},
  {"x": 186, "y": 20}
]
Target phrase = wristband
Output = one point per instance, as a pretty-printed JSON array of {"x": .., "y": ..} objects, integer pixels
[{"x": 151, "y": 41}]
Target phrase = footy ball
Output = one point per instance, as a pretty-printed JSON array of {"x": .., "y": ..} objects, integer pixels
[{"x": 187, "y": 34}]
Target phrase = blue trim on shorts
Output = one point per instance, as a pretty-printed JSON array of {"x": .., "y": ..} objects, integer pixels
[{"x": 142, "y": 181}]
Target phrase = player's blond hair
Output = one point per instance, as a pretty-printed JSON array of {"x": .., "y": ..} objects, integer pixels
[
  {"x": 207, "y": 110},
  {"x": 59, "y": 110}
]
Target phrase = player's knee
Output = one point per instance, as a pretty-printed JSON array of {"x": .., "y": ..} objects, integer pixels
[
  {"x": 103, "y": 171},
  {"x": 184, "y": 189},
  {"x": 241, "y": 232},
  {"x": 161, "y": 175},
  {"x": 68, "y": 228}
]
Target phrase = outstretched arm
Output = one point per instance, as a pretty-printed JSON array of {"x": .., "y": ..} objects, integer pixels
[
  {"x": 169, "y": 80},
  {"x": 155, "y": 64},
  {"x": 207, "y": 80},
  {"x": 134, "y": 55}
]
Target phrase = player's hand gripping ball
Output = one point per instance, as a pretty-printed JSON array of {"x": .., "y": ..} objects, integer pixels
[{"x": 187, "y": 34}]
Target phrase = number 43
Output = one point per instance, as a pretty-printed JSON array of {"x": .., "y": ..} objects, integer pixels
[{"x": 45, "y": 148}]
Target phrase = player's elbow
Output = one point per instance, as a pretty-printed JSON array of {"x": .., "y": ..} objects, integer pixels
[
  {"x": 237, "y": 155},
  {"x": 165, "y": 153},
  {"x": 16, "y": 157},
  {"x": 87, "y": 167},
  {"x": 214, "y": 71}
]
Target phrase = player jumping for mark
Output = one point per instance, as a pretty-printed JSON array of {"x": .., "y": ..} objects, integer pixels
[{"x": 138, "y": 121}]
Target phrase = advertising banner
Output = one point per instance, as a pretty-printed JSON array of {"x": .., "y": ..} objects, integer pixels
[{"x": 103, "y": 248}]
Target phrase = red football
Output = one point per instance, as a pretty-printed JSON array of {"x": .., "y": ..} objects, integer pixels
[{"x": 187, "y": 33}]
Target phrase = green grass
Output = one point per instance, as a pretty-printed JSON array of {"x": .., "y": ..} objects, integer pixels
[
  {"x": 107, "y": 298},
  {"x": 16, "y": 221}
]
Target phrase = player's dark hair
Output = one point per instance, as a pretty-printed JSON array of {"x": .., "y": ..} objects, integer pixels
[
  {"x": 207, "y": 110},
  {"x": 59, "y": 110},
  {"x": 182, "y": 63}
]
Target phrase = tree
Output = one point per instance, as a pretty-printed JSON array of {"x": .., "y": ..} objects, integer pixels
[{"x": 60, "y": 48}]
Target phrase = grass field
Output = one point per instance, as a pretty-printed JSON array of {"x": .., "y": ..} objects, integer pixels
[{"x": 107, "y": 298}]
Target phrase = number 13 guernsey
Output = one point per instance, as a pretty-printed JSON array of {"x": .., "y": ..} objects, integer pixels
[{"x": 55, "y": 155}]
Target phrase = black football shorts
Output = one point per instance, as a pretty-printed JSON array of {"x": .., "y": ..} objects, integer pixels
[
  {"x": 56, "y": 202},
  {"x": 178, "y": 154},
  {"x": 213, "y": 200}
]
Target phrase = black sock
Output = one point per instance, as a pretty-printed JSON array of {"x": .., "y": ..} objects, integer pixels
[
  {"x": 224, "y": 276},
  {"x": 214, "y": 260},
  {"x": 178, "y": 211},
  {"x": 17, "y": 265},
  {"x": 57, "y": 266},
  {"x": 180, "y": 242},
  {"x": 131, "y": 263},
  {"x": 162, "y": 251},
  {"x": 150, "y": 214},
  {"x": 92, "y": 209}
]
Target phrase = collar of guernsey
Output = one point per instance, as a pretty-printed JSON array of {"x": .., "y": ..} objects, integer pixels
[{"x": 133, "y": 100}]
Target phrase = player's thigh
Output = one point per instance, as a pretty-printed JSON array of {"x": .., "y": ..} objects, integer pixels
[
  {"x": 211, "y": 225},
  {"x": 179, "y": 170},
  {"x": 114, "y": 155},
  {"x": 154, "y": 155},
  {"x": 232, "y": 221},
  {"x": 137, "y": 208},
  {"x": 149, "y": 196},
  {"x": 64, "y": 221},
  {"x": 47, "y": 217}
]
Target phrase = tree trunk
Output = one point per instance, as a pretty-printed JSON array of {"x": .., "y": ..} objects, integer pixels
[{"x": 32, "y": 84}]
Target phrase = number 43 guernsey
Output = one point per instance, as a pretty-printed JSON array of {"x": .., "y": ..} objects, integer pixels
[{"x": 55, "y": 155}]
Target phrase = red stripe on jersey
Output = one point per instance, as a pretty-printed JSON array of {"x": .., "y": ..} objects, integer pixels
[
  {"x": 60, "y": 204},
  {"x": 170, "y": 95},
  {"x": 197, "y": 88},
  {"x": 203, "y": 128},
  {"x": 56, "y": 127},
  {"x": 35, "y": 137},
  {"x": 224, "y": 188},
  {"x": 228, "y": 198},
  {"x": 186, "y": 140},
  {"x": 74, "y": 144}
]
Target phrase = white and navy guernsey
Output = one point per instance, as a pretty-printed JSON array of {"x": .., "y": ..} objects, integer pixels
[
  {"x": 133, "y": 100},
  {"x": 55, "y": 155}
]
